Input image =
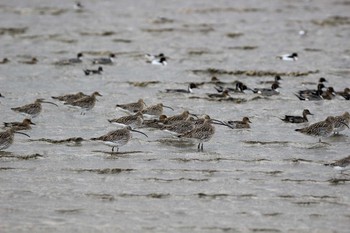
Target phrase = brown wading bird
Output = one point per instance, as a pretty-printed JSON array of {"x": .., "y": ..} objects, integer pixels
[
  {"x": 86, "y": 103},
  {"x": 155, "y": 110},
  {"x": 320, "y": 129},
  {"x": 341, "y": 164},
  {"x": 24, "y": 125},
  {"x": 69, "y": 97},
  {"x": 117, "y": 138},
  {"x": 32, "y": 110},
  {"x": 135, "y": 121},
  {"x": 7, "y": 137},
  {"x": 340, "y": 122},
  {"x": 132, "y": 107},
  {"x": 244, "y": 124}
]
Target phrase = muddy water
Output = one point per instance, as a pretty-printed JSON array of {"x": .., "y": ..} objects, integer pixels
[{"x": 268, "y": 178}]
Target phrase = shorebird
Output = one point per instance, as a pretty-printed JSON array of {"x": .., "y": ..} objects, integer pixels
[
  {"x": 4, "y": 61},
  {"x": 320, "y": 129},
  {"x": 155, "y": 123},
  {"x": 135, "y": 121},
  {"x": 297, "y": 119},
  {"x": 181, "y": 117},
  {"x": 155, "y": 110},
  {"x": 267, "y": 91},
  {"x": 98, "y": 71},
  {"x": 117, "y": 138},
  {"x": 32, "y": 110},
  {"x": 86, "y": 103},
  {"x": 288, "y": 57},
  {"x": 190, "y": 88},
  {"x": 69, "y": 97},
  {"x": 71, "y": 61},
  {"x": 277, "y": 80},
  {"x": 24, "y": 125},
  {"x": 243, "y": 124},
  {"x": 6, "y": 138},
  {"x": 132, "y": 107},
  {"x": 180, "y": 127},
  {"x": 204, "y": 132},
  {"x": 340, "y": 122},
  {"x": 345, "y": 94},
  {"x": 341, "y": 164},
  {"x": 104, "y": 60}
]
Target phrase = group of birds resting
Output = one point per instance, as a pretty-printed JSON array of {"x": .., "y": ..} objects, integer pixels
[{"x": 186, "y": 124}]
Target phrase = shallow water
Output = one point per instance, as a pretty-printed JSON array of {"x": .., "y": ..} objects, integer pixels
[{"x": 268, "y": 178}]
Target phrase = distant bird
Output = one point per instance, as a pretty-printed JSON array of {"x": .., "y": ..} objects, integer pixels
[
  {"x": 155, "y": 110},
  {"x": 288, "y": 57},
  {"x": 221, "y": 95},
  {"x": 104, "y": 61},
  {"x": 190, "y": 88},
  {"x": 132, "y": 107},
  {"x": 98, "y": 71},
  {"x": 345, "y": 94},
  {"x": 244, "y": 124},
  {"x": 135, "y": 121},
  {"x": 117, "y": 138},
  {"x": 320, "y": 129},
  {"x": 240, "y": 88},
  {"x": 341, "y": 164},
  {"x": 267, "y": 91},
  {"x": 277, "y": 80},
  {"x": 4, "y": 61},
  {"x": 7, "y": 138},
  {"x": 311, "y": 94},
  {"x": 1, "y": 96},
  {"x": 69, "y": 97},
  {"x": 32, "y": 61},
  {"x": 297, "y": 119},
  {"x": 78, "y": 6},
  {"x": 71, "y": 61},
  {"x": 86, "y": 103},
  {"x": 161, "y": 61},
  {"x": 150, "y": 57},
  {"x": 32, "y": 110},
  {"x": 321, "y": 80},
  {"x": 340, "y": 122},
  {"x": 18, "y": 126}
]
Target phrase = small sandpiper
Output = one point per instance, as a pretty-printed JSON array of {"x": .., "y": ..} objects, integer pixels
[
  {"x": 6, "y": 138},
  {"x": 135, "y": 121},
  {"x": 297, "y": 119},
  {"x": 268, "y": 91},
  {"x": 320, "y": 129},
  {"x": 91, "y": 71},
  {"x": 155, "y": 110},
  {"x": 243, "y": 124},
  {"x": 69, "y": 97},
  {"x": 288, "y": 57},
  {"x": 117, "y": 138},
  {"x": 104, "y": 60},
  {"x": 18, "y": 126},
  {"x": 86, "y": 103},
  {"x": 71, "y": 61},
  {"x": 32, "y": 110},
  {"x": 341, "y": 164},
  {"x": 190, "y": 88},
  {"x": 340, "y": 122},
  {"x": 132, "y": 107}
]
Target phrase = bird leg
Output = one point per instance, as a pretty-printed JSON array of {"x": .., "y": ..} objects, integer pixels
[{"x": 202, "y": 147}]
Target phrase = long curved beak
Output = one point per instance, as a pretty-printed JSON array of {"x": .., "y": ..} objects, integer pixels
[
  {"x": 49, "y": 103},
  {"x": 217, "y": 122},
  {"x": 168, "y": 107},
  {"x": 138, "y": 132},
  {"x": 344, "y": 124},
  {"x": 23, "y": 134}
]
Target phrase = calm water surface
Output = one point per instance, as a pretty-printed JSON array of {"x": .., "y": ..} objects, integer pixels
[{"x": 265, "y": 179}]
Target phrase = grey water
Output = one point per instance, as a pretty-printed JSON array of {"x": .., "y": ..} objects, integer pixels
[{"x": 268, "y": 178}]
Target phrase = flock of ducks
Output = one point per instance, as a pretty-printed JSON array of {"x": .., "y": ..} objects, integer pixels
[{"x": 185, "y": 125}]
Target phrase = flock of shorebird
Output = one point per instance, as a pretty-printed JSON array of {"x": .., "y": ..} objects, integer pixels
[{"x": 186, "y": 124}]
